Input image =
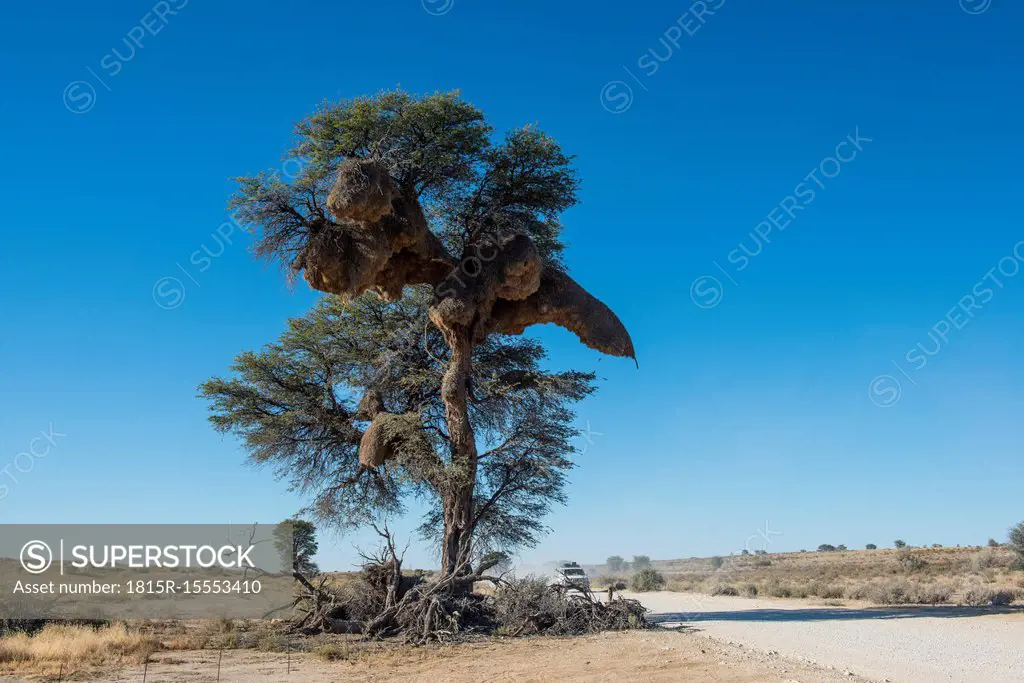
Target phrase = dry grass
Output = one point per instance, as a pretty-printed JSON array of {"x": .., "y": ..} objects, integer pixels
[
  {"x": 968, "y": 576},
  {"x": 76, "y": 647}
]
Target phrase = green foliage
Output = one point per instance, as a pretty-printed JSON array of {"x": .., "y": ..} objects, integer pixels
[
  {"x": 438, "y": 147},
  {"x": 293, "y": 406},
  {"x": 615, "y": 564},
  {"x": 871, "y": 546},
  {"x": 647, "y": 579},
  {"x": 899, "y": 544},
  {"x": 993, "y": 543},
  {"x": 717, "y": 562},
  {"x": 303, "y": 545},
  {"x": 641, "y": 562},
  {"x": 826, "y": 548},
  {"x": 1017, "y": 543}
]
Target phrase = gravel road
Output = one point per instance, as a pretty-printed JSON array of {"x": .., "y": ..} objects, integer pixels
[{"x": 900, "y": 644}]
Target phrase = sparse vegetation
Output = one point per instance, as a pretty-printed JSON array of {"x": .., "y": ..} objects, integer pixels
[
  {"x": 926, "y": 576},
  {"x": 899, "y": 544},
  {"x": 75, "y": 647},
  {"x": 717, "y": 562},
  {"x": 983, "y": 596},
  {"x": 615, "y": 564},
  {"x": 647, "y": 579},
  {"x": 909, "y": 562},
  {"x": 871, "y": 546},
  {"x": 826, "y": 548}
]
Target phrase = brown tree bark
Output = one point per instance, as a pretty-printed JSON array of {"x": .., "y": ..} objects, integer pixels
[{"x": 457, "y": 500}]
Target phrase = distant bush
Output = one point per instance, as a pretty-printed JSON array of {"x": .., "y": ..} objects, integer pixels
[
  {"x": 762, "y": 562},
  {"x": 647, "y": 580},
  {"x": 1017, "y": 544},
  {"x": 871, "y": 546},
  {"x": 717, "y": 562},
  {"x": 980, "y": 596},
  {"x": 984, "y": 559},
  {"x": 899, "y": 544},
  {"x": 615, "y": 564},
  {"x": 760, "y": 552},
  {"x": 936, "y": 545},
  {"x": 993, "y": 543},
  {"x": 909, "y": 562},
  {"x": 744, "y": 552},
  {"x": 641, "y": 562},
  {"x": 750, "y": 590},
  {"x": 826, "y": 548},
  {"x": 724, "y": 589},
  {"x": 823, "y": 590},
  {"x": 606, "y": 580},
  {"x": 776, "y": 589},
  {"x": 841, "y": 548}
]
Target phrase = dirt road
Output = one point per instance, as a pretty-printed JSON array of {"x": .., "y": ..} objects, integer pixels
[{"x": 902, "y": 644}]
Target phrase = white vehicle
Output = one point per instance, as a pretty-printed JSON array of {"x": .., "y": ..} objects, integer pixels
[{"x": 571, "y": 575}]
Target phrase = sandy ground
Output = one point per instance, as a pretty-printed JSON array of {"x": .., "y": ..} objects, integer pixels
[
  {"x": 721, "y": 639},
  {"x": 640, "y": 656},
  {"x": 903, "y": 644}
]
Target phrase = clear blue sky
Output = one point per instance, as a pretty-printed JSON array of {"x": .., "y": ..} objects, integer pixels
[{"x": 756, "y": 409}]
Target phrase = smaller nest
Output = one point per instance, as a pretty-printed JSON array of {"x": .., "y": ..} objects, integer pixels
[
  {"x": 390, "y": 435},
  {"x": 362, "y": 192},
  {"x": 370, "y": 405}
]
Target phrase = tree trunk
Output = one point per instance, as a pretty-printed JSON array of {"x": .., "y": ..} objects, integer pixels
[{"x": 458, "y": 492}]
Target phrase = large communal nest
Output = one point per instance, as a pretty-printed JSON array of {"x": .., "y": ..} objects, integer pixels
[{"x": 382, "y": 242}]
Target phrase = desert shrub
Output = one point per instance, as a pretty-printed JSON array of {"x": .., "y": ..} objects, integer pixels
[
  {"x": 615, "y": 564},
  {"x": 891, "y": 593},
  {"x": 776, "y": 589},
  {"x": 1017, "y": 544},
  {"x": 899, "y": 544},
  {"x": 981, "y": 596},
  {"x": 901, "y": 592},
  {"x": 993, "y": 543},
  {"x": 724, "y": 589},
  {"x": 762, "y": 562},
  {"x": 647, "y": 580},
  {"x": 334, "y": 652},
  {"x": 750, "y": 590},
  {"x": 829, "y": 592},
  {"x": 909, "y": 562},
  {"x": 984, "y": 559},
  {"x": 932, "y": 594},
  {"x": 871, "y": 546},
  {"x": 826, "y": 548},
  {"x": 607, "y": 580},
  {"x": 717, "y": 562},
  {"x": 841, "y": 548}
]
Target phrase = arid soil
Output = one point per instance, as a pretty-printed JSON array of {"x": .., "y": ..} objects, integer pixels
[{"x": 632, "y": 656}]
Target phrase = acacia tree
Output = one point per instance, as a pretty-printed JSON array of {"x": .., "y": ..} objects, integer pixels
[
  {"x": 294, "y": 404},
  {"x": 398, "y": 191}
]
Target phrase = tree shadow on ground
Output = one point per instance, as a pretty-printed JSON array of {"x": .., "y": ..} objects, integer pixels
[{"x": 831, "y": 614}]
